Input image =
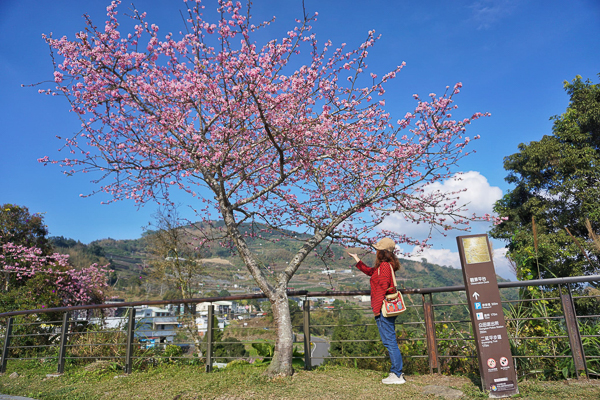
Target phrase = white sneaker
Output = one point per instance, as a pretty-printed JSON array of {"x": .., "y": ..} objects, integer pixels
[{"x": 393, "y": 379}]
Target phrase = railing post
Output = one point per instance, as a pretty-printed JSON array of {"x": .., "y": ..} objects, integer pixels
[
  {"x": 306, "y": 327},
  {"x": 130, "y": 333},
  {"x": 573, "y": 331},
  {"x": 63, "y": 343},
  {"x": 6, "y": 345},
  {"x": 432, "y": 351},
  {"x": 209, "y": 338}
]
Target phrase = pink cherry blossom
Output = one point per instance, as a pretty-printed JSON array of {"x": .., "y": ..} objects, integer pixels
[{"x": 75, "y": 286}]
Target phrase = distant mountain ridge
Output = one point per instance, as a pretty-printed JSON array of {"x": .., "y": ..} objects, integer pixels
[{"x": 225, "y": 270}]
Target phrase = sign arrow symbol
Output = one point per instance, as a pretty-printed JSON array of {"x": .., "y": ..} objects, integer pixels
[{"x": 476, "y": 295}]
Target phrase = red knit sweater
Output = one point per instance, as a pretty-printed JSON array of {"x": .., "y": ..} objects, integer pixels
[{"x": 380, "y": 282}]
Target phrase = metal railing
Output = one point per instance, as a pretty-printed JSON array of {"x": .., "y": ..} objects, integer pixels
[{"x": 427, "y": 326}]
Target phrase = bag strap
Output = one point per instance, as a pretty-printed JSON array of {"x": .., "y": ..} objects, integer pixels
[{"x": 394, "y": 277}]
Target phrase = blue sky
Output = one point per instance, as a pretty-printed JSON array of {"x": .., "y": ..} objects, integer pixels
[{"x": 511, "y": 56}]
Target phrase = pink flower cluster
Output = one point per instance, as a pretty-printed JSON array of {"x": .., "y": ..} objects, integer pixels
[{"x": 75, "y": 286}]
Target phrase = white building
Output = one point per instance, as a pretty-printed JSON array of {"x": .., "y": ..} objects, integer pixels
[
  {"x": 221, "y": 307},
  {"x": 152, "y": 324},
  {"x": 145, "y": 311},
  {"x": 320, "y": 300},
  {"x": 202, "y": 324},
  {"x": 155, "y": 325}
]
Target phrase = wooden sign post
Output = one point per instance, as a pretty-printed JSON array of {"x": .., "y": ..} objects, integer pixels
[{"x": 496, "y": 366}]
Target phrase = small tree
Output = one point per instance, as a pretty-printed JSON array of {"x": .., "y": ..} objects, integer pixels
[
  {"x": 20, "y": 227},
  {"x": 176, "y": 261},
  {"x": 254, "y": 133}
]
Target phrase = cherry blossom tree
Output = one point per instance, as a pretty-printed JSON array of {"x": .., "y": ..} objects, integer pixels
[
  {"x": 33, "y": 275},
  {"x": 68, "y": 286},
  {"x": 289, "y": 133},
  {"x": 36, "y": 279}
]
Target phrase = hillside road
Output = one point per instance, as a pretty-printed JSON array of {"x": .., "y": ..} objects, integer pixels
[{"x": 320, "y": 349}]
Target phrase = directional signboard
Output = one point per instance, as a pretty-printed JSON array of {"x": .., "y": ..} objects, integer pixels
[{"x": 493, "y": 348}]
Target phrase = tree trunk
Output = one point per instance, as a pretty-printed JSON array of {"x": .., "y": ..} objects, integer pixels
[
  {"x": 281, "y": 365},
  {"x": 189, "y": 322}
]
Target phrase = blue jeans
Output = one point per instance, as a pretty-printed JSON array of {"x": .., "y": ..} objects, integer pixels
[{"x": 387, "y": 331}]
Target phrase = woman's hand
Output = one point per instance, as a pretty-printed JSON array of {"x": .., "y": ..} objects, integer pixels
[{"x": 354, "y": 255}]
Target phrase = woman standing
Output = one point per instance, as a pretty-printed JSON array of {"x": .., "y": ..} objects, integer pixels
[{"x": 381, "y": 281}]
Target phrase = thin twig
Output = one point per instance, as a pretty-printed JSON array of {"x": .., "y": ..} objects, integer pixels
[{"x": 579, "y": 245}]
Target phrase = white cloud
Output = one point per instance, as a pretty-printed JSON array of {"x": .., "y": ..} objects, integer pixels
[
  {"x": 503, "y": 267},
  {"x": 486, "y": 13},
  {"x": 479, "y": 197},
  {"x": 448, "y": 258},
  {"x": 444, "y": 257}
]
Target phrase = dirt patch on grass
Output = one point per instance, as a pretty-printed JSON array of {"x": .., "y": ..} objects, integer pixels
[{"x": 255, "y": 329}]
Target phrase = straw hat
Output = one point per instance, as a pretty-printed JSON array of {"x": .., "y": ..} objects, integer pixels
[{"x": 385, "y": 244}]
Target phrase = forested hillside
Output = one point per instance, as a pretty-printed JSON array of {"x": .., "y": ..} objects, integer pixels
[{"x": 222, "y": 270}]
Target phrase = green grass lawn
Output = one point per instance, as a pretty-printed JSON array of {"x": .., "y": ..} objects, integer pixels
[{"x": 179, "y": 382}]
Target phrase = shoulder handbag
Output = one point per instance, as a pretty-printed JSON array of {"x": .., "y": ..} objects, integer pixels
[{"x": 393, "y": 304}]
